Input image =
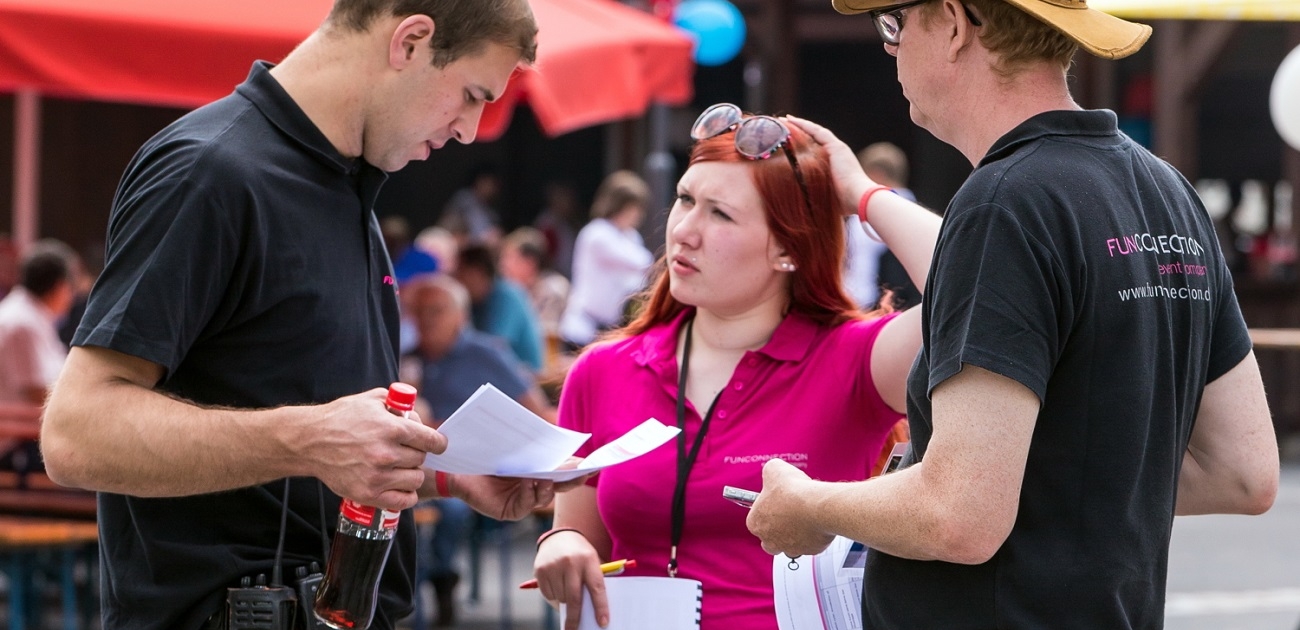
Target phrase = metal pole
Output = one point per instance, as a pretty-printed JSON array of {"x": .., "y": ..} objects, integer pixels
[
  {"x": 755, "y": 85},
  {"x": 659, "y": 170},
  {"x": 27, "y": 167}
]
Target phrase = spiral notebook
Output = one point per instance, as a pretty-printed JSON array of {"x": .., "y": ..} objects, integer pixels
[{"x": 648, "y": 603}]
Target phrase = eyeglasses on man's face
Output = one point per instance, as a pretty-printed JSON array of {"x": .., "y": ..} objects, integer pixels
[{"x": 890, "y": 23}]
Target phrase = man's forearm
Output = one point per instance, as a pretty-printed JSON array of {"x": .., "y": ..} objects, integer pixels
[
  {"x": 1231, "y": 463},
  {"x": 884, "y": 513},
  {"x": 124, "y": 438},
  {"x": 1194, "y": 492},
  {"x": 1201, "y": 491}
]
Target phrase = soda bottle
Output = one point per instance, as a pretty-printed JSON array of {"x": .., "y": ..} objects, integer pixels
[{"x": 347, "y": 596}]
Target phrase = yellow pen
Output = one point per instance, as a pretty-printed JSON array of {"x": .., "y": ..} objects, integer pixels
[{"x": 609, "y": 568}]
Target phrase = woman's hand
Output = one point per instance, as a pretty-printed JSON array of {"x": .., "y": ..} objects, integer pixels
[{"x": 567, "y": 563}]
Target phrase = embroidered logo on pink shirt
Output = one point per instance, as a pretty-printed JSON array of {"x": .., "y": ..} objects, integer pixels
[{"x": 798, "y": 460}]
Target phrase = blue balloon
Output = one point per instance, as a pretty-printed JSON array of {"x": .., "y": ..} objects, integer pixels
[{"x": 717, "y": 27}]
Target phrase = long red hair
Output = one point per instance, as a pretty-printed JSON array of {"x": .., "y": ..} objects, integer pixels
[{"x": 812, "y": 234}]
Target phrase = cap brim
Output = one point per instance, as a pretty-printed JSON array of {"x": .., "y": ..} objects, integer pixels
[
  {"x": 851, "y": 7},
  {"x": 1097, "y": 32}
]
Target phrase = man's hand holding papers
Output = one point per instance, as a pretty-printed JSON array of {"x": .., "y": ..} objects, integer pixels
[{"x": 491, "y": 434}]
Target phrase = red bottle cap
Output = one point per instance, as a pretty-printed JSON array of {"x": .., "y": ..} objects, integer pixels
[{"x": 401, "y": 397}]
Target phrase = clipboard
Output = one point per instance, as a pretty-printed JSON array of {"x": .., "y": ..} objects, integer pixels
[{"x": 647, "y": 603}]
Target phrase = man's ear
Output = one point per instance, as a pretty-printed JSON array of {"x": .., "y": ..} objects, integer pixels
[
  {"x": 961, "y": 31},
  {"x": 410, "y": 35}
]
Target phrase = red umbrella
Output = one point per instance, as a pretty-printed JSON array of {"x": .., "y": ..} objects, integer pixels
[
  {"x": 598, "y": 60},
  {"x": 181, "y": 53}
]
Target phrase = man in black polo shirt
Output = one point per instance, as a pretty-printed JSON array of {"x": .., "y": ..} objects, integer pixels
[
  {"x": 1086, "y": 372},
  {"x": 246, "y": 319}
]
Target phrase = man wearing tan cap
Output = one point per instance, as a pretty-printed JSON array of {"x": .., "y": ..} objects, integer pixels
[{"x": 1086, "y": 373}]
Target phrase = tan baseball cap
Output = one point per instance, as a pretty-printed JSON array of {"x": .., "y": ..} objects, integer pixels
[{"x": 1097, "y": 32}]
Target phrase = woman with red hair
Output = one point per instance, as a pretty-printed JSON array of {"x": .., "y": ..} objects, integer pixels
[{"x": 747, "y": 340}]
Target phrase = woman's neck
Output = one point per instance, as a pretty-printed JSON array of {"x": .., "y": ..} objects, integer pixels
[{"x": 739, "y": 333}]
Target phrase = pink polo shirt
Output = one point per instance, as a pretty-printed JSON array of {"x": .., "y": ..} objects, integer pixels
[{"x": 806, "y": 397}]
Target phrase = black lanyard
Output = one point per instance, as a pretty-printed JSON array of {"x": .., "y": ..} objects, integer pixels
[{"x": 685, "y": 460}]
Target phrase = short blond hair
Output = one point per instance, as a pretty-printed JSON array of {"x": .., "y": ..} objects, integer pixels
[
  {"x": 1017, "y": 38},
  {"x": 886, "y": 158},
  {"x": 619, "y": 190},
  {"x": 530, "y": 243}
]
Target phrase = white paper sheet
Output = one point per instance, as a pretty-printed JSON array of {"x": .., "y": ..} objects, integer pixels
[
  {"x": 646, "y": 437},
  {"x": 492, "y": 434},
  {"x": 824, "y": 593}
]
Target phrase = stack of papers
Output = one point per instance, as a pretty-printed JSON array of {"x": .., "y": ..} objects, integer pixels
[
  {"x": 492, "y": 434},
  {"x": 821, "y": 592},
  {"x": 824, "y": 592}
]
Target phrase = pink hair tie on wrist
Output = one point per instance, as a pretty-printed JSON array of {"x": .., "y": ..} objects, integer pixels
[{"x": 866, "y": 198}]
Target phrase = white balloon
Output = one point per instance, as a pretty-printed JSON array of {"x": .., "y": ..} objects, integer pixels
[{"x": 1284, "y": 99}]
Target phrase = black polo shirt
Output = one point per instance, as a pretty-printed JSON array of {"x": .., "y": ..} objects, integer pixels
[
  {"x": 243, "y": 257},
  {"x": 1078, "y": 264}
]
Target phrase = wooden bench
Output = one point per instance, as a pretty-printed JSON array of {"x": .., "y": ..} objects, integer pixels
[
  {"x": 30, "y": 531},
  {"x": 1278, "y": 338},
  {"x": 19, "y": 429},
  {"x": 35, "y": 480},
  {"x": 426, "y": 515},
  {"x": 31, "y": 492},
  {"x": 67, "y": 504},
  {"x": 24, "y": 540},
  {"x": 18, "y": 423}
]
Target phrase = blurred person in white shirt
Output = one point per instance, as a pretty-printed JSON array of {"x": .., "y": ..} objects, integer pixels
[
  {"x": 610, "y": 260},
  {"x": 31, "y": 353}
]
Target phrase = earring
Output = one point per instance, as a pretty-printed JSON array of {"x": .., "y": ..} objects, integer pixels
[{"x": 785, "y": 266}]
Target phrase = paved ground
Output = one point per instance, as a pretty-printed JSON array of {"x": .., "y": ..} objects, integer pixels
[
  {"x": 501, "y": 605},
  {"x": 1238, "y": 572}
]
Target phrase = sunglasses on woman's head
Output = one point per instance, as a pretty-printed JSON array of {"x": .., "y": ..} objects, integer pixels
[{"x": 757, "y": 137}]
